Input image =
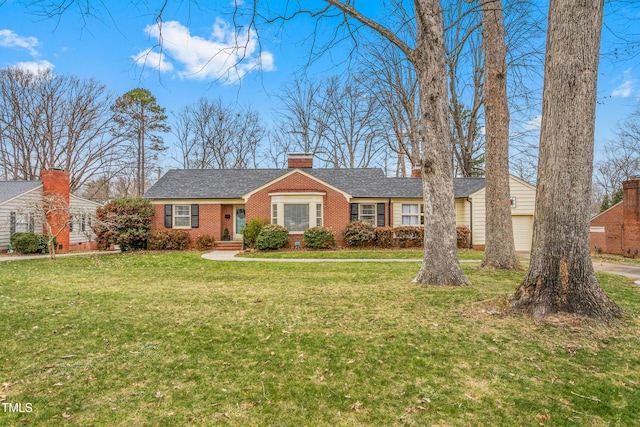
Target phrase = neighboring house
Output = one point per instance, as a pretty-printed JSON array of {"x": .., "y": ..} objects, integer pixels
[
  {"x": 210, "y": 201},
  {"x": 20, "y": 202},
  {"x": 617, "y": 230}
]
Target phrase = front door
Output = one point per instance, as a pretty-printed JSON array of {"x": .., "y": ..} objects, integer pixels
[{"x": 240, "y": 222}]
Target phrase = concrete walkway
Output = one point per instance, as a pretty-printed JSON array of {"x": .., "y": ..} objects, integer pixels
[
  {"x": 231, "y": 256},
  {"x": 629, "y": 271}
]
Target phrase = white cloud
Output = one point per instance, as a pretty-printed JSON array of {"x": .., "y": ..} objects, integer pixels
[
  {"x": 226, "y": 55},
  {"x": 10, "y": 39},
  {"x": 155, "y": 60},
  {"x": 624, "y": 90},
  {"x": 35, "y": 66},
  {"x": 534, "y": 123}
]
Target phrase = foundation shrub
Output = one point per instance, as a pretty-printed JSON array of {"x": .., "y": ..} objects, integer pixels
[
  {"x": 173, "y": 240},
  {"x": 463, "y": 234},
  {"x": 408, "y": 237},
  {"x": 30, "y": 243},
  {"x": 384, "y": 237},
  {"x": 359, "y": 233},
  {"x": 272, "y": 236},
  {"x": 251, "y": 231},
  {"x": 205, "y": 241},
  {"x": 318, "y": 238}
]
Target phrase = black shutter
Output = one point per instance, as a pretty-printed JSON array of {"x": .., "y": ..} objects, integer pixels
[
  {"x": 12, "y": 222},
  {"x": 168, "y": 211},
  {"x": 195, "y": 220},
  {"x": 354, "y": 212},
  {"x": 70, "y": 223},
  {"x": 32, "y": 224},
  {"x": 380, "y": 215}
]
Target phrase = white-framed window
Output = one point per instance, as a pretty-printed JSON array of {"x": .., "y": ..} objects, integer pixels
[
  {"x": 412, "y": 214},
  {"x": 367, "y": 212},
  {"x": 22, "y": 222},
  {"x": 296, "y": 216},
  {"x": 318, "y": 214},
  {"x": 297, "y": 211},
  {"x": 182, "y": 216}
]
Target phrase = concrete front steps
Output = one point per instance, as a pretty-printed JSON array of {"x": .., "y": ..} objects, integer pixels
[{"x": 228, "y": 246}]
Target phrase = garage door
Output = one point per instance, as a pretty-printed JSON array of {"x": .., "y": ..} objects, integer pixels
[{"x": 522, "y": 232}]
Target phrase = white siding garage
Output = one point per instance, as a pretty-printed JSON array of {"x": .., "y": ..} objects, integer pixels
[{"x": 522, "y": 232}]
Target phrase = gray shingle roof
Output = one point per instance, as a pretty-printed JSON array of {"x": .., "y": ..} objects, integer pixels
[
  {"x": 233, "y": 184},
  {"x": 11, "y": 189}
]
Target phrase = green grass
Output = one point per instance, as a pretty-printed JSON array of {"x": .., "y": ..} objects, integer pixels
[
  {"x": 356, "y": 254},
  {"x": 172, "y": 339}
]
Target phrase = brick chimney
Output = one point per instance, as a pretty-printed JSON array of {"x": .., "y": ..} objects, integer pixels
[
  {"x": 300, "y": 160},
  {"x": 416, "y": 171},
  {"x": 56, "y": 181}
]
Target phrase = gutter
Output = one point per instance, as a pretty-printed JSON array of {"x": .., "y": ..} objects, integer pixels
[{"x": 470, "y": 221}]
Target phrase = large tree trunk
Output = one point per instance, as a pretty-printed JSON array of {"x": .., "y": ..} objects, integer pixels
[
  {"x": 440, "y": 265},
  {"x": 500, "y": 251},
  {"x": 561, "y": 276}
]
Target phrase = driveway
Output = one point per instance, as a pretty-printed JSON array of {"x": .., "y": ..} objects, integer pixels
[{"x": 629, "y": 271}]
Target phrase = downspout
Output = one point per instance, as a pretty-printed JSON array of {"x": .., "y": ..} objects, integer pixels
[{"x": 470, "y": 221}]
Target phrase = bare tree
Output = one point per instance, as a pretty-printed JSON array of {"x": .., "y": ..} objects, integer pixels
[
  {"x": 622, "y": 158},
  {"x": 302, "y": 122},
  {"x": 54, "y": 121},
  {"x": 561, "y": 276},
  {"x": 500, "y": 252},
  {"x": 465, "y": 61},
  {"x": 392, "y": 81},
  {"x": 354, "y": 126},
  {"x": 213, "y": 135}
]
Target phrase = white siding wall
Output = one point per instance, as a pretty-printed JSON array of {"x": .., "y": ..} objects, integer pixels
[
  {"x": 525, "y": 195},
  {"x": 463, "y": 212},
  {"x": 78, "y": 207}
]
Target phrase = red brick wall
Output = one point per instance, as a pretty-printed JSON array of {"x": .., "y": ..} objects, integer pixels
[
  {"x": 612, "y": 239},
  {"x": 210, "y": 221},
  {"x": 334, "y": 204},
  {"x": 631, "y": 217},
  {"x": 54, "y": 181}
]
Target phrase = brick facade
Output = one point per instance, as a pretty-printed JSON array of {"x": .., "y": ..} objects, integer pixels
[
  {"x": 57, "y": 182},
  {"x": 334, "y": 204},
  {"x": 621, "y": 224}
]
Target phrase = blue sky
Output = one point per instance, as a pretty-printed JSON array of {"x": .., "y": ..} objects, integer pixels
[{"x": 118, "y": 50}]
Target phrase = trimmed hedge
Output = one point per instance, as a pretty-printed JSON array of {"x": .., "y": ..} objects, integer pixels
[
  {"x": 359, "y": 233},
  {"x": 463, "y": 234},
  {"x": 30, "y": 243},
  {"x": 384, "y": 237},
  {"x": 205, "y": 241},
  {"x": 272, "y": 236},
  {"x": 173, "y": 240},
  {"x": 318, "y": 237},
  {"x": 409, "y": 237}
]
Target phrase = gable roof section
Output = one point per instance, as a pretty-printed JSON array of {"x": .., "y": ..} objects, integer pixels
[
  {"x": 12, "y": 189},
  {"x": 235, "y": 183},
  {"x": 210, "y": 183}
]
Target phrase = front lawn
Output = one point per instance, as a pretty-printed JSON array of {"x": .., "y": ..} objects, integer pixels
[{"x": 172, "y": 339}]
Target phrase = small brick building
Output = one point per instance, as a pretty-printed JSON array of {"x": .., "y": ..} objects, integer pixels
[
  {"x": 208, "y": 202},
  {"x": 617, "y": 230}
]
